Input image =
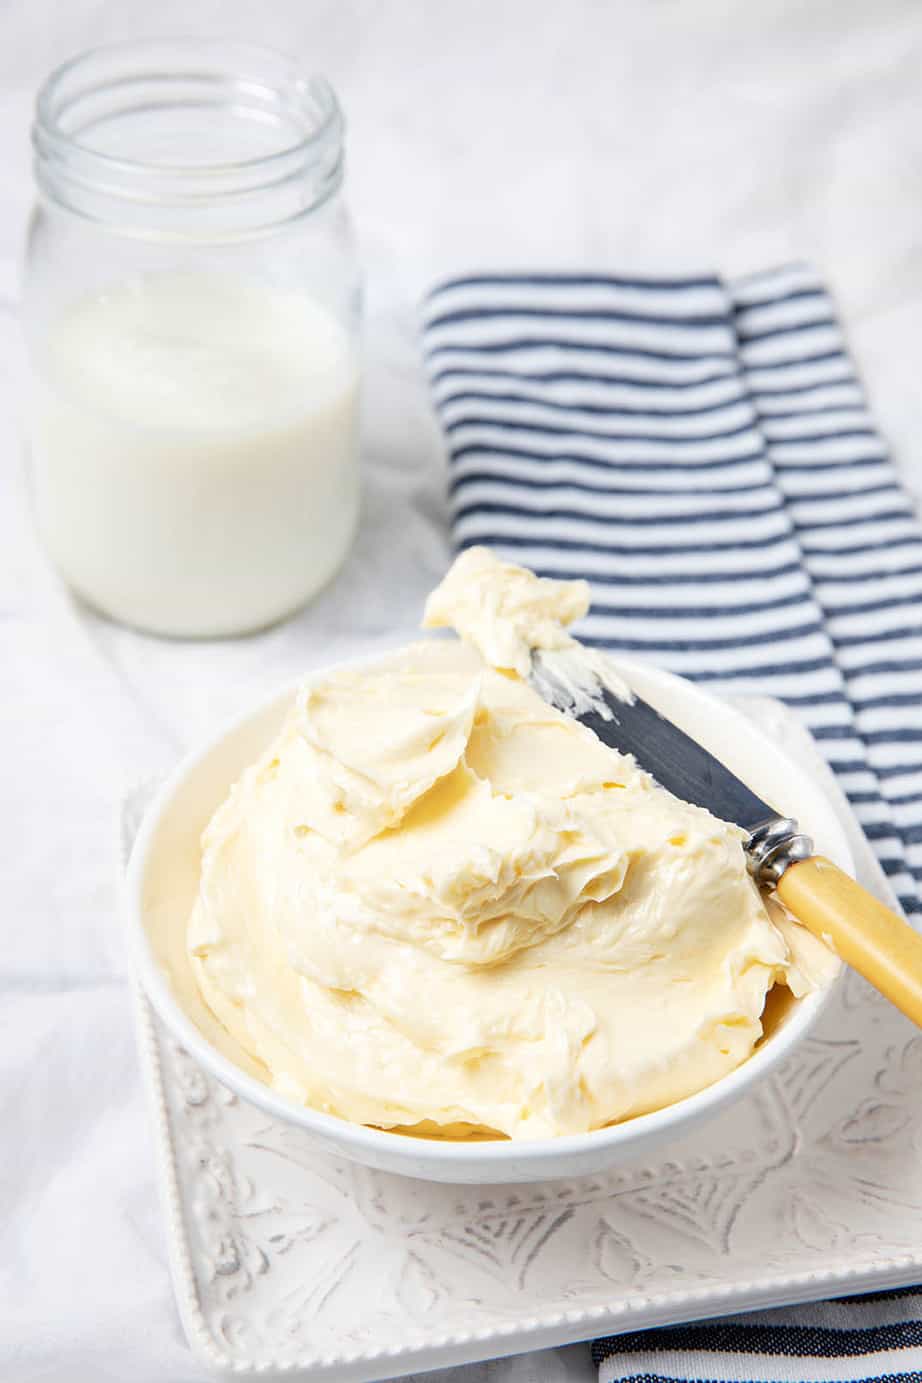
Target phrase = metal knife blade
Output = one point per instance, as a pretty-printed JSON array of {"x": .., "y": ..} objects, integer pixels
[{"x": 676, "y": 761}]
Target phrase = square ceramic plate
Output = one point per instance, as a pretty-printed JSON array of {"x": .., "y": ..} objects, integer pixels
[{"x": 287, "y": 1262}]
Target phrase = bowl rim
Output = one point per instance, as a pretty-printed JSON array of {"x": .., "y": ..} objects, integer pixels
[{"x": 369, "y": 1144}]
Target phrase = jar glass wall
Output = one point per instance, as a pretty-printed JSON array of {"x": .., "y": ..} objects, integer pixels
[{"x": 191, "y": 309}]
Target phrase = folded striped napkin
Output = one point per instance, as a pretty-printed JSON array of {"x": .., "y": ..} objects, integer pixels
[
  {"x": 703, "y": 454},
  {"x": 701, "y": 451}
]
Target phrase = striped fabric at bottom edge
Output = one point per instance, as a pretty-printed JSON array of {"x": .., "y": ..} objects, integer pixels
[{"x": 855, "y": 1339}]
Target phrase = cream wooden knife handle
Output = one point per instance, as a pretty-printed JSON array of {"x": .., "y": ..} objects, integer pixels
[{"x": 866, "y": 934}]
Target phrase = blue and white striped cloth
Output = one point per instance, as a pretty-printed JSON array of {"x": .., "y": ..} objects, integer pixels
[
  {"x": 871, "y": 1339},
  {"x": 703, "y": 454}
]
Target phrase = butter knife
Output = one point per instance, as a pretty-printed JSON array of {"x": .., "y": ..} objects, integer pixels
[{"x": 870, "y": 937}]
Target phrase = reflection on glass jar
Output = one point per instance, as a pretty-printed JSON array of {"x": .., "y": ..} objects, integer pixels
[{"x": 192, "y": 310}]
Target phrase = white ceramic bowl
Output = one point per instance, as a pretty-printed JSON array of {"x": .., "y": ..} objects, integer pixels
[{"x": 163, "y": 877}]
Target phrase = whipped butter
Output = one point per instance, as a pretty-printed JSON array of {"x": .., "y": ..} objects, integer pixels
[{"x": 436, "y": 903}]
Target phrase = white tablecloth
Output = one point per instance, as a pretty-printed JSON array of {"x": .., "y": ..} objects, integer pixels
[{"x": 505, "y": 132}]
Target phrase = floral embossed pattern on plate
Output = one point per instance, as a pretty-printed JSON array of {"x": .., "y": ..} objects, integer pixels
[{"x": 287, "y": 1260}]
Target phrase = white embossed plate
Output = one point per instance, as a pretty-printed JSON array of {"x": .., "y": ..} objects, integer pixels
[{"x": 287, "y": 1261}]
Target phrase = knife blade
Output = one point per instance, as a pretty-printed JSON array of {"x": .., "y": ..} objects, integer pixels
[{"x": 677, "y": 762}]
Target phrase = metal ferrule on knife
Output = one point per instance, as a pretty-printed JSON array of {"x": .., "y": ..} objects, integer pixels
[{"x": 773, "y": 846}]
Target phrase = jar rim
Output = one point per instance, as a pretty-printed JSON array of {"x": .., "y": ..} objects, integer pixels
[
  {"x": 47, "y": 125},
  {"x": 134, "y": 136}
]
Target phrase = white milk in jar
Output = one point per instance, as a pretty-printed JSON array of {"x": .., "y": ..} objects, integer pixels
[{"x": 195, "y": 451}]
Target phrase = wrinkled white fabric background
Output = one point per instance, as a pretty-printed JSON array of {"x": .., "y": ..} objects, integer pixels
[{"x": 512, "y": 133}]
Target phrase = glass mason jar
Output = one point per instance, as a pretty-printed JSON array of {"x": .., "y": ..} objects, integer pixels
[{"x": 191, "y": 310}]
